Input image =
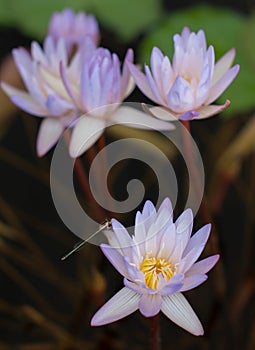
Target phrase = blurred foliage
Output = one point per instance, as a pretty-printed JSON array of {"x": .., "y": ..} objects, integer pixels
[
  {"x": 128, "y": 21},
  {"x": 224, "y": 29}
]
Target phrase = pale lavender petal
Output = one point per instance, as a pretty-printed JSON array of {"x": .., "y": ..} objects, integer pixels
[
  {"x": 38, "y": 54},
  {"x": 177, "y": 308},
  {"x": 156, "y": 61},
  {"x": 153, "y": 86},
  {"x": 86, "y": 132},
  {"x": 174, "y": 285},
  {"x": 181, "y": 96},
  {"x": 138, "y": 288},
  {"x": 203, "y": 266},
  {"x": 24, "y": 101},
  {"x": 141, "y": 81},
  {"x": 140, "y": 233},
  {"x": 156, "y": 232},
  {"x": 137, "y": 119},
  {"x": 193, "y": 281},
  {"x": 221, "y": 85},
  {"x": 69, "y": 87},
  {"x": 125, "y": 241},
  {"x": 57, "y": 106},
  {"x": 148, "y": 214},
  {"x": 166, "y": 205},
  {"x": 209, "y": 111},
  {"x": 126, "y": 86},
  {"x": 199, "y": 238},
  {"x": 184, "y": 225},
  {"x": 49, "y": 133},
  {"x": 120, "y": 305},
  {"x": 222, "y": 65},
  {"x": 150, "y": 304},
  {"x": 115, "y": 258},
  {"x": 194, "y": 248},
  {"x": 189, "y": 115}
]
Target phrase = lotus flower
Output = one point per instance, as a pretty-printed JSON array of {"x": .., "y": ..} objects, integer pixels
[
  {"x": 73, "y": 27},
  {"x": 46, "y": 95},
  {"x": 158, "y": 264},
  {"x": 98, "y": 93},
  {"x": 186, "y": 89}
]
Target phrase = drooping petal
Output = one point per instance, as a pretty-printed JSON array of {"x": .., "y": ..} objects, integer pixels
[
  {"x": 24, "y": 100},
  {"x": 193, "y": 281},
  {"x": 115, "y": 258},
  {"x": 86, "y": 132},
  {"x": 137, "y": 119},
  {"x": 221, "y": 85},
  {"x": 177, "y": 308},
  {"x": 49, "y": 133},
  {"x": 150, "y": 304},
  {"x": 120, "y": 305},
  {"x": 209, "y": 111},
  {"x": 222, "y": 65},
  {"x": 163, "y": 114},
  {"x": 203, "y": 266}
]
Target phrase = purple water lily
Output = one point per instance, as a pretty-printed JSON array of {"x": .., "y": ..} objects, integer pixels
[
  {"x": 98, "y": 93},
  {"x": 186, "y": 88},
  {"x": 158, "y": 264},
  {"x": 73, "y": 27},
  {"x": 46, "y": 95}
]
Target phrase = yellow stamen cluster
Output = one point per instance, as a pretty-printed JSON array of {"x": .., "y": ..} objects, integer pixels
[{"x": 151, "y": 267}]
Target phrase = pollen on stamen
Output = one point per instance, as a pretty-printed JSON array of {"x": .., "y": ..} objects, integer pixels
[{"x": 152, "y": 267}]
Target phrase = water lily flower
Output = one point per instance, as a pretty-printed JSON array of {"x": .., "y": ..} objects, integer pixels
[
  {"x": 46, "y": 95},
  {"x": 73, "y": 27},
  {"x": 186, "y": 88},
  {"x": 158, "y": 263},
  {"x": 98, "y": 94}
]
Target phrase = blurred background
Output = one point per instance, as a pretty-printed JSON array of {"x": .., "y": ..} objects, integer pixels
[{"x": 46, "y": 303}]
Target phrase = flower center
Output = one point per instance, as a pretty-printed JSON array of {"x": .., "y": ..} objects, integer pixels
[{"x": 152, "y": 267}]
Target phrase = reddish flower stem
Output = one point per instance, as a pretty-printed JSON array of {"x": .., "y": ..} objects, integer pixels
[
  {"x": 204, "y": 213},
  {"x": 155, "y": 339}
]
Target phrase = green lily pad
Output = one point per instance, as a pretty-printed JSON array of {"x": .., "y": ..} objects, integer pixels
[{"x": 128, "y": 19}]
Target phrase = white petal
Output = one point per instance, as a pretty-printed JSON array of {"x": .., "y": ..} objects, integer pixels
[
  {"x": 221, "y": 85},
  {"x": 177, "y": 308},
  {"x": 86, "y": 132},
  {"x": 137, "y": 119},
  {"x": 223, "y": 65},
  {"x": 163, "y": 113},
  {"x": 120, "y": 305},
  {"x": 49, "y": 133},
  {"x": 209, "y": 111}
]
